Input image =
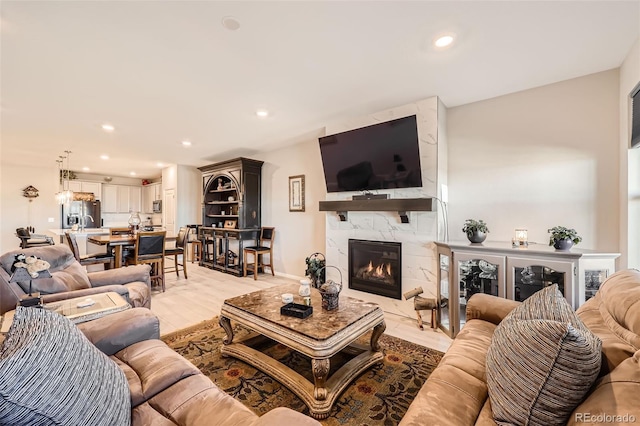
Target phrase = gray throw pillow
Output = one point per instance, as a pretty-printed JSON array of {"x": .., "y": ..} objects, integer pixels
[
  {"x": 52, "y": 375},
  {"x": 541, "y": 362}
]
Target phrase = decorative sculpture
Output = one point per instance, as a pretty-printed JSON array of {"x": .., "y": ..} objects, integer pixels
[{"x": 422, "y": 303}]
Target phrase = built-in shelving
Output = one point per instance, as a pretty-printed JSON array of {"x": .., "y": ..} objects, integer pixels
[{"x": 400, "y": 205}]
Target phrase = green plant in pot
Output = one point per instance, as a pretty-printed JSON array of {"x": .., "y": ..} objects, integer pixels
[
  {"x": 476, "y": 230},
  {"x": 563, "y": 238},
  {"x": 315, "y": 269}
]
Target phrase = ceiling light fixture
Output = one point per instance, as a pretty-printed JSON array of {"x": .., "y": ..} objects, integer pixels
[
  {"x": 65, "y": 195},
  {"x": 132, "y": 173},
  {"x": 262, "y": 113},
  {"x": 230, "y": 23},
  {"x": 108, "y": 127},
  {"x": 104, "y": 157},
  {"x": 444, "y": 40},
  {"x": 186, "y": 143},
  {"x": 85, "y": 169},
  {"x": 160, "y": 164}
]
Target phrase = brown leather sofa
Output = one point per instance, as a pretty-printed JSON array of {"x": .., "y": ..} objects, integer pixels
[
  {"x": 166, "y": 389},
  {"x": 70, "y": 279},
  {"x": 456, "y": 392}
]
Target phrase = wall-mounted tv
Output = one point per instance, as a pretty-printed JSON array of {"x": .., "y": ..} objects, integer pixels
[{"x": 381, "y": 156}]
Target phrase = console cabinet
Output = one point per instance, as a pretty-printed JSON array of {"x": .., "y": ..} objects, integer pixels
[
  {"x": 231, "y": 210},
  {"x": 513, "y": 273}
]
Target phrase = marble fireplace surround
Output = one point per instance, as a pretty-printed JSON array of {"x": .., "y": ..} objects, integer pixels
[{"x": 419, "y": 264}]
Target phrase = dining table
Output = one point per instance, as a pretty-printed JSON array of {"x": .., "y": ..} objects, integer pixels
[{"x": 117, "y": 242}]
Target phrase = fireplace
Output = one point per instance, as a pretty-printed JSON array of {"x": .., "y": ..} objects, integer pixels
[{"x": 374, "y": 267}]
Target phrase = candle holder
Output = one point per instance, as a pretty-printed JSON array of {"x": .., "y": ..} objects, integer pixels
[{"x": 520, "y": 239}]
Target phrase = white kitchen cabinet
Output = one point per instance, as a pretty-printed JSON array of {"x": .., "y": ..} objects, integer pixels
[
  {"x": 150, "y": 193},
  {"x": 513, "y": 273},
  {"x": 121, "y": 198},
  {"x": 86, "y": 186}
]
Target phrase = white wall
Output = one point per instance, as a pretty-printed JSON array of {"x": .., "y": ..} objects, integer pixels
[
  {"x": 539, "y": 158},
  {"x": 298, "y": 234},
  {"x": 188, "y": 196},
  {"x": 16, "y": 211},
  {"x": 629, "y": 165}
]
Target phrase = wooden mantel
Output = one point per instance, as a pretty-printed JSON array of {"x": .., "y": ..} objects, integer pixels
[{"x": 400, "y": 205}]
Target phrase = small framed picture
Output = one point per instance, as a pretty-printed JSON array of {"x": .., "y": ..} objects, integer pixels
[
  {"x": 230, "y": 224},
  {"x": 296, "y": 193}
]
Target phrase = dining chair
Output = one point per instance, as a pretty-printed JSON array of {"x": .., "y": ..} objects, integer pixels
[
  {"x": 149, "y": 249},
  {"x": 107, "y": 259},
  {"x": 28, "y": 239},
  {"x": 124, "y": 230},
  {"x": 179, "y": 249},
  {"x": 267, "y": 235}
]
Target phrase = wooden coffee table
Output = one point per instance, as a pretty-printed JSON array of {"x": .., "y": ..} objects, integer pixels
[{"x": 320, "y": 336}]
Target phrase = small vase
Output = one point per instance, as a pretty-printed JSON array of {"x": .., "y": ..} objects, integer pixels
[
  {"x": 564, "y": 244},
  {"x": 477, "y": 236}
]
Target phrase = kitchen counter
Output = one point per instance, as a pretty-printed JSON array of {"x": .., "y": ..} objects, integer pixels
[{"x": 60, "y": 232}]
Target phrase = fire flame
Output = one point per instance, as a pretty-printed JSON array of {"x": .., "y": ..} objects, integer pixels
[{"x": 379, "y": 271}]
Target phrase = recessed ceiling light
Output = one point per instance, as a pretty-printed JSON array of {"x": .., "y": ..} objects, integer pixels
[
  {"x": 186, "y": 143},
  {"x": 160, "y": 164},
  {"x": 85, "y": 169},
  {"x": 444, "y": 40},
  {"x": 108, "y": 127},
  {"x": 132, "y": 173},
  {"x": 262, "y": 113},
  {"x": 230, "y": 23},
  {"x": 104, "y": 157}
]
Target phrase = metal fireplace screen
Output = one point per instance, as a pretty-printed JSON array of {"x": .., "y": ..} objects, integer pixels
[{"x": 375, "y": 267}]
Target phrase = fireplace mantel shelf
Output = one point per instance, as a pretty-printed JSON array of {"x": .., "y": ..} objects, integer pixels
[{"x": 400, "y": 205}]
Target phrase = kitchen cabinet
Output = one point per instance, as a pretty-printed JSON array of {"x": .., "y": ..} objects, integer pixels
[
  {"x": 121, "y": 198},
  {"x": 85, "y": 186},
  {"x": 150, "y": 193},
  {"x": 513, "y": 273}
]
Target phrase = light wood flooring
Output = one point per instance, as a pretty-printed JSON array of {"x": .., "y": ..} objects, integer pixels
[{"x": 189, "y": 301}]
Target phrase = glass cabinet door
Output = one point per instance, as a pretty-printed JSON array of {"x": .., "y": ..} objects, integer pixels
[
  {"x": 476, "y": 273},
  {"x": 444, "y": 278},
  {"x": 527, "y": 276}
]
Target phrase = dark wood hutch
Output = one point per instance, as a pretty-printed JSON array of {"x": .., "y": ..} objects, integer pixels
[{"x": 231, "y": 211}]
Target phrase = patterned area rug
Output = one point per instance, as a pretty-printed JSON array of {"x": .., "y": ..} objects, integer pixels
[{"x": 380, "y": 396}]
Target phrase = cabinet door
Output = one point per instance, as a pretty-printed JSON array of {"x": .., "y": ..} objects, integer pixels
[
  {"x": 525, "y": 276},
  {"x": 94, "y": 187},
  {"x": 123, "y": 199},
  {"x": 75, "y": 185},
  {"x": 135, "y": 198},
  {"x": 592, "y": 273},
  {"x": 475, "y": 273},
  {"x": 444, "y": 279},
  {"x": 148, "y": 192},
  {"x": 109, "y": 198},
  {"x": 157, "y": 193}
]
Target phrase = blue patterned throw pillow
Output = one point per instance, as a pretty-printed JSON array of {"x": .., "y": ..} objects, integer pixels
[{"x": 52, "y": 375}]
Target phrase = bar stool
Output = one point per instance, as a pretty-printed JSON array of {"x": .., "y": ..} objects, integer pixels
[
  {"x": 194, "y": 243},
  {"x": 179, "y": 249},
  {"x": 267, "y": 234}
]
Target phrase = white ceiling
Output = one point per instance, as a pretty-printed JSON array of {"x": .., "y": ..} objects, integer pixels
[{"x": 165, "y": 71}]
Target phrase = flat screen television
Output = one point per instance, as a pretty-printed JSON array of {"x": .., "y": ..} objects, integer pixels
[{"x": 380, "y": 156}]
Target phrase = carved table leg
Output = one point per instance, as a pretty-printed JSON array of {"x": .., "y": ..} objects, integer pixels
[
  {"x": 320, "y": 368},
  {"x": 377, "y": 332},
  {"x": 226, "y": 324}
]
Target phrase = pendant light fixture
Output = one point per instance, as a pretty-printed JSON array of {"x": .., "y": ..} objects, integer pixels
[{"x": 65, "y": 196}]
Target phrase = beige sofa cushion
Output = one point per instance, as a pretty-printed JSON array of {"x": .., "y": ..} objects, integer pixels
[{"x": 541, "y": 362}]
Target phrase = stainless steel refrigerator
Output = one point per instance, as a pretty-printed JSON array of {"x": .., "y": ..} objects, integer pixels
[{"x": 81, "y": 212}]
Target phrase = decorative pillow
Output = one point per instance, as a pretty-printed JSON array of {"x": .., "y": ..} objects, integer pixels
[
  {"x": 52, "y": 375},
  {"x": 541, "y": 362}
]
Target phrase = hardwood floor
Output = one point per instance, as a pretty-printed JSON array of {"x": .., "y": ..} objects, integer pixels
[{"x": 189, "y": 301}]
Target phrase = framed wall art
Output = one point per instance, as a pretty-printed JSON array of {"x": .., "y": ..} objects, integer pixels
[
  {"x": 296, "y": 193},
  {"x": 230, "y": 224}
]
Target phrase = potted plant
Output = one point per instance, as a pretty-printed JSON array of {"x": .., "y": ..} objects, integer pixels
[
  {"x": 476, "y": 230},
  {"x": 315, "y": 264},
  {"x": 563, "y": 238}
]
